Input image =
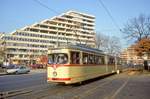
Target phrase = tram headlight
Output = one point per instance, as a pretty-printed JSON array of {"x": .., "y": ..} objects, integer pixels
[{"x": 54, "y": 73}]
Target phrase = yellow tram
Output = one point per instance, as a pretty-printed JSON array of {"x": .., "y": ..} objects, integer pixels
[{"x": 75, "y": 63}]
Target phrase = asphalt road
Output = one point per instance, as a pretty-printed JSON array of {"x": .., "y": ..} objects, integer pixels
[
  {"x": 16, "y": 82},
  {"x": 129, "y": 85}
]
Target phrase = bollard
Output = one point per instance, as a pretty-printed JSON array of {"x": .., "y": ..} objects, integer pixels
[{"x": 118, "y": 71}]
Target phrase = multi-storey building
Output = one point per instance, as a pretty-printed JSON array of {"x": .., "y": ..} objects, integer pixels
[
  {"x": 129, "y": 55},
  {"x": 27, "y": 43}
]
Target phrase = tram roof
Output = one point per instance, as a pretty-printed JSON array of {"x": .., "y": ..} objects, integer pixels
[{"x": 80, "y": 47}]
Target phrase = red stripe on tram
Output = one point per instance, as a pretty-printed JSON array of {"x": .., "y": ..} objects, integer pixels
[{"x": 59, "y": 78}]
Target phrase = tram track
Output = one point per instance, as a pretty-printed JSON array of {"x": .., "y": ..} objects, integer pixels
[
  {"x": 44, "y": 92},
  {"x": 13, "y": 93},
  {"x": 51, "y": 90},
  {"x": 55, "y": 91},
  {"x": 115, "y": 93},
  {"x": 70, "y": 94},
  {"x": 90, "y": 90},
  {"x": 112, "y": 94},
  {"x": 76, "y": 90}
]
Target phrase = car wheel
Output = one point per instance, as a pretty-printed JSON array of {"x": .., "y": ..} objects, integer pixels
[
  {"x": 27, "y": 72},
  {"x": 16, "y": 72}
]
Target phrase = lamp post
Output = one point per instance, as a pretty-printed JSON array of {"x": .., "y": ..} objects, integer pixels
[
  {"x": 145, "y": 57},
  {"x": 106, "y": 62}
]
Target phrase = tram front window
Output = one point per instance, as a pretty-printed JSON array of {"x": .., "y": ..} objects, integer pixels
[{"x": 58, "y": 58}]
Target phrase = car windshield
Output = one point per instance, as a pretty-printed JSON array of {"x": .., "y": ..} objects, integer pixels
[{"x": 57, "y": 58}]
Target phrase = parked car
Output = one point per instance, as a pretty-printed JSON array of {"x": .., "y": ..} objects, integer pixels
[
  {"x": 18, "y": 70},
  {"x": 11, "y": 66},
  {"x": 8, "y": 66},
  {"x": 34, "y": 66}
]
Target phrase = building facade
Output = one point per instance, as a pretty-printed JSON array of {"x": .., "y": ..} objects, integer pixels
[
  {"x": 27, "y": 44},
  {"x": 129, "y": 55}
]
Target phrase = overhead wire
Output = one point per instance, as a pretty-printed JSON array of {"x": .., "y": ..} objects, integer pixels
[
  {"x": 109, "y": 14},
  {"x": 45, "y": 6},
  {"x": 54, "y": 11}
]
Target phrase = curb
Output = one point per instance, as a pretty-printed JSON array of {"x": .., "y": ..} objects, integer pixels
[
  {"x": 1, "y": 74},
  {"x": 12, "y": 93},
  {"x": 4, "y": 95}
]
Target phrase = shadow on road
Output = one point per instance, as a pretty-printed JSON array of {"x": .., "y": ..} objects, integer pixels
[{"x": 87, "y": 81}]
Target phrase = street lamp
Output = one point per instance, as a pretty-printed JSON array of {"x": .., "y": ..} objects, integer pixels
[{"x": 145, "y": 57}]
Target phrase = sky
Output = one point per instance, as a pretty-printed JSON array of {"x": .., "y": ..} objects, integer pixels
[{"x": 15, "y": 14}]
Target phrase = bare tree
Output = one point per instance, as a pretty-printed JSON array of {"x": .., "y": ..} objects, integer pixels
[
  {"x": 114, "y": 46},
  {"x": 110, "y": 45},
  {"x": 137, "y": 28},
  {"x": 100, "y": 40}
]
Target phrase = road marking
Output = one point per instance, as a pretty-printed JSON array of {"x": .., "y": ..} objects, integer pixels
[
  {"x": 118, "y": 91},
  {"x": 16, "y": 92},
  {"x": 92, "y": 90},
  {"x": 6, "y": 94}
]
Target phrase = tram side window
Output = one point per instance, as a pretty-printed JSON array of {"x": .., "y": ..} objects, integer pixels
[
  {"x": 101, "y": 60},
  {"x": 91, "y": 59},
  {"x": 50, "y": 59},
  {"x": 111, "y": 60},
  {"x": 85, "y": 58},
  {"x": 97, "y": 60},
  {"x": 119, "y": 61},
  {"x": 75, "y": 57}
]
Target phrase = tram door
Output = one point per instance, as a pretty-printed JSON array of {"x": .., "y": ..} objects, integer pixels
[
  {"x": 145, "y": 65},
  {"x": 75, "y": 57}
]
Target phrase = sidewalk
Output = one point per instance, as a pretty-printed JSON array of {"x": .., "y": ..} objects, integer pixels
[
  {"x": 38, "y": 70},
  {"x": 3, "y": 73}
]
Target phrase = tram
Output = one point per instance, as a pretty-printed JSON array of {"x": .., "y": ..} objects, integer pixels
[{"x": 75, "y": 63}]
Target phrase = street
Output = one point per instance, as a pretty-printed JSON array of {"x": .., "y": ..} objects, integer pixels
[
  {"x": 128, "y": 85},
  {"x": 14, "y": 82}
]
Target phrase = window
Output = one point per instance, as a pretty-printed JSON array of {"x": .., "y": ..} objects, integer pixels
[
  {"x": 20, "y": 56},
  {"x": 50, "y": 59},
  {"x": 91, "y": 59},
  {"x": 75, "y": 57},
  {"x": 85, "y": 58},
  {"x": 111, "y": 60},
  {"x": 57, "y": 58},
  {"x": 101, "y": 60},
  {"x": 97, "y": 60},
  {"x": 62, "y": 59}
]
